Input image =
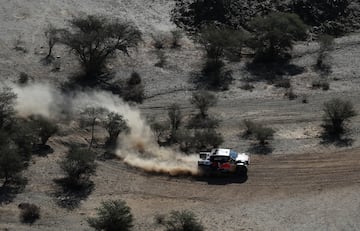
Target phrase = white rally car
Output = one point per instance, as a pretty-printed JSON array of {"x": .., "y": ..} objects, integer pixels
[{"x": 223, "y": 160}]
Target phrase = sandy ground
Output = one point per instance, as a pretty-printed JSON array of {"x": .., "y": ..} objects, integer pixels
[{"x": 302, "y": 185}]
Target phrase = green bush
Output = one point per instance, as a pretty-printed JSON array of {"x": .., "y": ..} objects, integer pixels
[
  {"x": 113, "y": 215},
  {"x": 183, "y": 221}
]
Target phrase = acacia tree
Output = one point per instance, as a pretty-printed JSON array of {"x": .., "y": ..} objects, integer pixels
[
  {"x": 275, "y": 34},
  {"x": 95, "y": 39},
  {"x": 217, "y": 40},
  {"x": 115, "y": 124}
]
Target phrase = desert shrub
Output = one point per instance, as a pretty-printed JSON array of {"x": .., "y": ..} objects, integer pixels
[
  {"x": 161, "y": 58},
  {"x": 214, "y": 76},
  {"x": 90, "y": 116},
  {"x": 95, "y": 39},
  {"x": 159, "y": 41},
  {"x": 11, "y": 163},
  {"x": 159, "y": 219},
  {"x": 284, "y": 83},
  {"x": 337, "y": 113},
  {"x": 318, "y": 12},
  {"x": 78, "y": 165},
  {"x": 23, "y": 78},
  {"x": 275, "y": 34},
  {"x": 114, "y": 125},
  {"x": 175, "y": 119},
  {"x": 250, "y": 127},
  {"x": 203, "y": 100},
  {"x": 24, "y": 135},
  {"x": 323, "y": 84},
  {"x": 183, "y": 221},
  {"x": 191, "y": 15},
  {"x": 207, "y": 139},
  {"x": 176, "y": 37},
  {"x": 7, "y": 112},
  {"x": 185, "y": 139},
  {"x": 134, "y": 89},
  {"x": 326, "y": 16},
  {"x": 257, "y": 131},
  {"x": 247, "y": 86},
  {"x": 29, "y": 212},
  {"x": 305, "y": 99},
  {"x": 112, "y": 215},
  {"x": 159, "y": 130},
  {"x": 134, "y": 79},
  {"x": 262, "y": 134},
  {"x": 290, "y": 94},
  {"x": 44, "y": 128},
  {"x": 322, "y": 62},
  {"x": 198, "y": 122}
]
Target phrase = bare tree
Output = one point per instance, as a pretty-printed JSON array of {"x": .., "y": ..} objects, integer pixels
[
  {"x": 53, "y": 36},
  {"x": 91, "y": 116}
]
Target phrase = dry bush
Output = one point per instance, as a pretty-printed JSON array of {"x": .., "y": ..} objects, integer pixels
[
  {"x": 284, "y": 83},
  {"x": 337, "y": 113},
  {"x": 183, "y": 221},
  {"x": 247, "y": 86},
  {"x": 29, "y": 212},
  {"x": 323, "y": 84}
]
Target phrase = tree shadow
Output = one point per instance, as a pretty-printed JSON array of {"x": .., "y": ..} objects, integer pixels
[
  {"x": 81, "y": 81},
  {"x": 337, "y": 140},
  {"x": 271, "y": 71},
  {"x": 9, "y": 191},
  {"x": 42, "y": 149},
  {"x": 260, "y": 149},
  {"x": 69, "y": 195}
]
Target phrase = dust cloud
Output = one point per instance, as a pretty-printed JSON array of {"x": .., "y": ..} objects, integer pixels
[{"x": 138, "y": 148}]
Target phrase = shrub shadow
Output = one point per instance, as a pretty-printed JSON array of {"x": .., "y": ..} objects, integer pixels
[
  {"x": 260, "y": 149},
  {"x": 9, "y": 191},
  {"x": 271, "y": 71},
  {"x": 68, "y": 195},
  {"x": 42, "y": 149},
  {"x": 339, "y": 141}
]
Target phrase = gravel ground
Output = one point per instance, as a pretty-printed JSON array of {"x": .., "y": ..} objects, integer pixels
[{"x": 302, "y": 185}]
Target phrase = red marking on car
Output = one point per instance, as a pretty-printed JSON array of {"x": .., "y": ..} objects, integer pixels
[{"x": 226, "y": 166}]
